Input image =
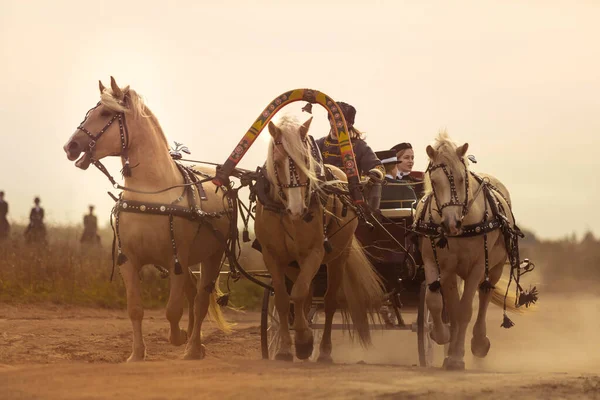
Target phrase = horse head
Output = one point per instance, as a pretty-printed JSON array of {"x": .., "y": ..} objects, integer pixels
[
  {"x": 290, "y": 165},
  {"x": 103, "y": 131},
  {"x": 449, "y": 177}
]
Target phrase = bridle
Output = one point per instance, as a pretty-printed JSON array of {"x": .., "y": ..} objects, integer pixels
[
  {"x": 294, "y": 181},
  {"x": 123, "y": 132},
  {"x": 454, "y": 200}
]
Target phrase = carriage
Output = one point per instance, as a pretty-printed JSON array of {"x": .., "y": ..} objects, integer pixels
[{"x": 204, "y": 225}]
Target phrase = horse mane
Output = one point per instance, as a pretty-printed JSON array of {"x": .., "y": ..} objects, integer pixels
[
  {"x": 137, "y": 108},
  {"x": 289, "y": 126},
  {"x": 445, "y": 149}
]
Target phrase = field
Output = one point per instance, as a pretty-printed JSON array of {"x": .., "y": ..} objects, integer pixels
[{"x": 64, "y": 334}]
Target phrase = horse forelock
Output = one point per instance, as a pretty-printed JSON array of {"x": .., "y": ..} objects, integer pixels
[
  {"x": 445, "y": 149},
  {"x": 296, "y": 149}
]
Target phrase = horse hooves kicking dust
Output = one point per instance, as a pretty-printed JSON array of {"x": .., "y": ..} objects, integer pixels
[
  {"x": 305, "y": 350},
  {"x": 453, "y": 364},
  {"x": 180, "y": 339},
  {"x": 480, "y": 347},
  {"x": 325, "y": 359},
  {"x": 197, "y": 353}
]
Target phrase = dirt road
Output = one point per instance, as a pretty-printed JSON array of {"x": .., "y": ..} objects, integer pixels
[{"x": 72, "y": 353}]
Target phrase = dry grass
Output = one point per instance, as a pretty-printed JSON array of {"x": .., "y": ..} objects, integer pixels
[
  {"x": 67, "y": 272},
  {"x": 566, "y": 265}
]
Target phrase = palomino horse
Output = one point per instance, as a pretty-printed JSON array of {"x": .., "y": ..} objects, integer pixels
[
  {"x": 472, "y": 218},
  {"x": 172, "y": 241},
  {"x": 301, "y": 225}
]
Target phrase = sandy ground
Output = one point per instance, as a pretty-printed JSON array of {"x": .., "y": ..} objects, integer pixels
[{"x": 55, "y": 352}]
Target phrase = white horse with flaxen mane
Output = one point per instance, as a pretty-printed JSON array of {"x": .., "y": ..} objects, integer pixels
[{"x": 470, "y": 232}]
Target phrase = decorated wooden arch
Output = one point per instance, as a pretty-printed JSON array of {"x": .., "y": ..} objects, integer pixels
[{"x": 313, "y": 97}]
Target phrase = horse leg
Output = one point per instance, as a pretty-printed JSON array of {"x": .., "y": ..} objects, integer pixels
[
  {"x": 455, "y": 360},
  {"x": 209, "y": 272},
  {"x": 135, "y": 309},
  {"x": 480, "y": 343},
  {"x": 177, "y": 336},
  {"x": 300, "y": 293},
  {"x": 452, "y": 302},
  {"x": 435, "y": 303},
  {"x": 282, "y": 306},
  {"x": 334, "y": 280},
  {"x": 190, "y": 294}
]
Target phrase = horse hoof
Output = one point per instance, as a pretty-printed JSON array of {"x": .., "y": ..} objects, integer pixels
[
  {"x": 445, "y": 336},
  {"x": 304, "y": 350},
  {"x": 136, "y": 357},
  {"x": 195, "y": 353},
  {"x": 480, "y": 347},
  {"x": 284, "y": 357},
  {"x": 325, "y": 359},
  {"x": 179, "y": 339},
  {"x": 453, "y": 365}
]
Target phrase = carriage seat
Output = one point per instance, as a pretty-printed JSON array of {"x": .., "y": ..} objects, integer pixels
[{"x": 397, "y": 196}]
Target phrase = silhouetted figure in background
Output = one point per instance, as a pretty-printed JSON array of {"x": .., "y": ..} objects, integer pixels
[
  {"x": 4, "y": 225},
  {"x": 90, "y": 228},
  {"x": 36, "y": 230}
]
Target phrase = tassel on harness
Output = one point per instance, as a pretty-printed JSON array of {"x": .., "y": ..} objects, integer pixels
[
  {"x": 126, "y": 171},
  {"x": 223, "y": 300},
  {"x": 506, "y": 322},
  {"x": 121, "y": 258},
  {"x": 528, "y": 297},
  {"x": 435, "y": 286}
]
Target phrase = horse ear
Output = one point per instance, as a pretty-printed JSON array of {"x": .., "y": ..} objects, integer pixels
[
  {"x": 462, "y": 150},
  {"x": 430, "y": 152},
  {"x": 101, "y": 86},
  {"x": 115, "y": 88},
  {"x": 274, "y": 130},
  {"x": 304, "y": 128}
]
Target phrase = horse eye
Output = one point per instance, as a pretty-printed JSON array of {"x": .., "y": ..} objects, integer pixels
[{"x": 105, "y": 113}]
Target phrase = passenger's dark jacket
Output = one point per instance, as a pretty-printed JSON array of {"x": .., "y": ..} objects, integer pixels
[{"x": 365, "y": 157}]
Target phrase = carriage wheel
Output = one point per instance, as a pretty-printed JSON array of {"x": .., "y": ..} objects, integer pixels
[
  {"x": 424, "y": 322},
  {"x": 269, "y": 328}
]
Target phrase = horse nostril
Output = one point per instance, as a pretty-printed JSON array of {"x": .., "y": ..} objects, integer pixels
[
  {"x": 458, "y": 224},
  {"x": 73, "y": 146},
  {"x": 289, "y": 211}
]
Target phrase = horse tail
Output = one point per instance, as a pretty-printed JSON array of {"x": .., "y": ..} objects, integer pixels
[
  {"x": 362, "y": 289},
  {"x": 498, "y": 298},
  {"x": 214, "y": 309}
]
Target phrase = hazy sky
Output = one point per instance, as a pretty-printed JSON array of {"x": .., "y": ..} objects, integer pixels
[{"x": 519, "y": 81}]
